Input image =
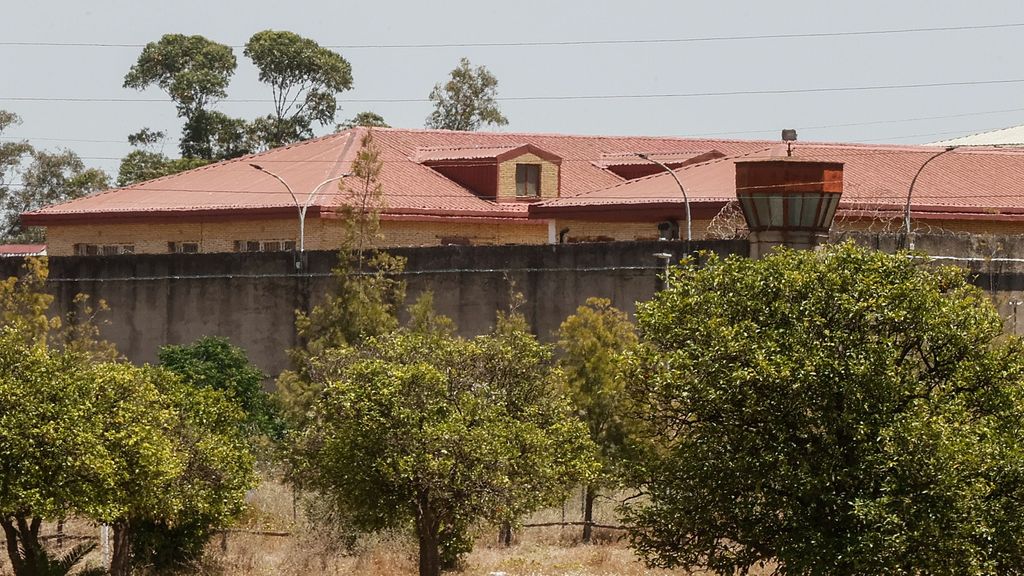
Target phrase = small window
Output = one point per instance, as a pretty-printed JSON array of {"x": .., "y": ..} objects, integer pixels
[
  {"x": 183, "y": 247},
  {"x": 113, "y": 249},
  {"x": 455, "y": 241},
  {"x": 264, "y": 245},
  {"x": 527, "y": 180}
]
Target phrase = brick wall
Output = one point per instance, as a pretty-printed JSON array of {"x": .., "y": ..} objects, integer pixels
[
  {"x": 582, "y": 231},
  {"x": 408, "y": 233},
  {"x": 218, "y": 236},
  {"x": 328, "y": 234},
  {"x": 507, "y": 177}
]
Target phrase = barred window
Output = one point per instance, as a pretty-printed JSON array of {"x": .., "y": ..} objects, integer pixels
[
  {"x": 527, "y": 180},
  {"x": 183, "y": 247}
]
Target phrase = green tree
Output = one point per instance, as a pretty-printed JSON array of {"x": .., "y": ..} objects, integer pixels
[
  {"x": 104, "y": 440},
  {"x": 367, "y": 119},
  {"x": 467, "y": 101},
  {"x": 304, "y": 78},
  {"x": 210, "y": 439},
  {"x": 145, "y": 163},
  {"x": 53, "y": 462},
  {"x": 12, "y": 154},
  {"x": 195, "y": 73},
  {"x": 213, "y": 135},
  {"x": 365, "y": 293},
  {"x": 590, "y": 341},
  {"x": 50, "y": 178},
  {"x": 363, "y": 195},
  {"x": 144, "y": 461},
  {"x": 833, "y": 412},
  {"x": 428, "y": 430},
  {"x": 213, "y": 362}
]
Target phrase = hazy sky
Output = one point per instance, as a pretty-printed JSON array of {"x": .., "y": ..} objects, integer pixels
[{"x": 978, "y": 58}]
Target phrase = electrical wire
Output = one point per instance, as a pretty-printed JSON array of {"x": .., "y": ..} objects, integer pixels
[
  {"x": 561, "y": 97},
  {"x": 551, "y": 43}
]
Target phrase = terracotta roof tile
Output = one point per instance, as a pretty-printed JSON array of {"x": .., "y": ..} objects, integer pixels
[
  {"x": 22, "y": 249},
  {"x": 980, "y": 181},
  {"x": 409, "y": 187}
]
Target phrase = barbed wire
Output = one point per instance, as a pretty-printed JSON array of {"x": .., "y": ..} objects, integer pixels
[{"x": 728, "y": 224}]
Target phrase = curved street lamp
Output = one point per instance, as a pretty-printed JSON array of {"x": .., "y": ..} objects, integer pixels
[
  {"x": 910, "y": 192},
  {"x": 302, "y": 207},
  {"x": 686, "y": 200}
]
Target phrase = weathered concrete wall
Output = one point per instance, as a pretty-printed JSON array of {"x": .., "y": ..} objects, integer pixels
[{"x": 251, "y": 297}]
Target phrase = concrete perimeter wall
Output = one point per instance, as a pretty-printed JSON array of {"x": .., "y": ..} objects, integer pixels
[{"x": 251, "y": 298}]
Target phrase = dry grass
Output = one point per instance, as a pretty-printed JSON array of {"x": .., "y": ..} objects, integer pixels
[
  {"x": 546, "y": 551},
  {"x": 260, "y": 555}
]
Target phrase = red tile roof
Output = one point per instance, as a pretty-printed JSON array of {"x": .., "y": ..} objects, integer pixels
[
  {"x": 22, "y": 249},
  {"x": 971, "y": 183},
  {"x": 961, "y": 184},
  {"x": 411, "y": 189}
]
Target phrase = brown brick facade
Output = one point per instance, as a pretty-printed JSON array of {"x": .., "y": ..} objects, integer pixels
[
  {"x": 507, "y": 177},
  {"x": 583, "y": 231},
  {"x": 220, "y": 236}
]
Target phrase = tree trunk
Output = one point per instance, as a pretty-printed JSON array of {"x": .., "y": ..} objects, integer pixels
[
  {"x": 23, "y": 547},
  {"x": 505, "y": 534},
  {"x": 120, "y": 558},
  {"x": 428, "y": 533},
  {"x": 588, "y": 513}
]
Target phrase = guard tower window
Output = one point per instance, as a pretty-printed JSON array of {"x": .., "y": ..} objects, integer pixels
[{"x": 527, "y": 180}]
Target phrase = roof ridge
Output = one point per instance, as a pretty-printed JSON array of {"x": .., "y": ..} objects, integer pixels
[
  {"x": 577, "y": 136},
  {"x": 432, "y": 148}
]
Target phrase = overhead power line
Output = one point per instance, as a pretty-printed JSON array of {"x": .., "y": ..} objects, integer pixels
[
  {"x": 551, "y": 43},
  {"x": 567, "y": 97},
  {"x": 697, "y": 135}
]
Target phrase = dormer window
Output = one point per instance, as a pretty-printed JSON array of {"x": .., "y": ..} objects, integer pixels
[
  {"x": 499, "y": 173},
  {"x": 527, "y": 180}
]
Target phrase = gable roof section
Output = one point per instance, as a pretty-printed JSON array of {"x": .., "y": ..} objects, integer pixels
[
  {"x": 976, "y": 183},
  {"x": 233, "y": 189},
  {"x": 492, "y": 154}
]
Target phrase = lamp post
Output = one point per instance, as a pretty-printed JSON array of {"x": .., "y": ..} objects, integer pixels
[
  {"x": 910, "y": 191},
  {"x": 302, "y": 207},
  {"x": 666, "y": 259},
  {"x": 686, "y": 200}
]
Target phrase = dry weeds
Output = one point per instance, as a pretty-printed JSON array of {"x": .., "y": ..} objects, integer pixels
[
  {"x": 546, "y": 551},
  {"x": 256, "y": 547}
]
